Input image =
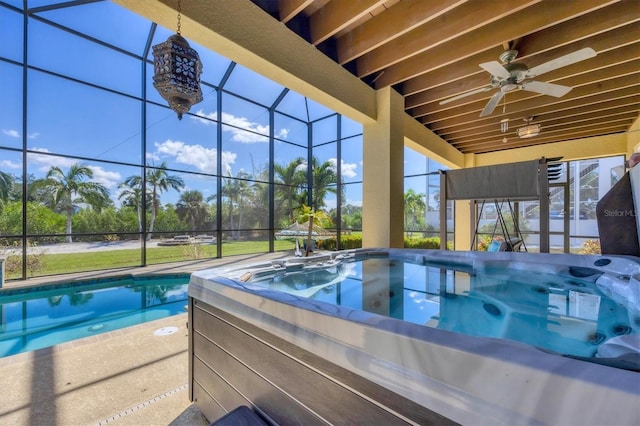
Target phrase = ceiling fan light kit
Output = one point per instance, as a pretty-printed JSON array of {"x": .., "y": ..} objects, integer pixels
[
  {"x": 517, "y": 76},
  {"x": 529, "y": 131}
]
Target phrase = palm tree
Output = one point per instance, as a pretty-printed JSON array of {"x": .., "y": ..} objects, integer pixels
[
  {"x": 236, "y": 190},
  {"x": 160, "y": 181},
  {"x": 71, "y": 189},
  {"x": 290, "y": 178},
  {"x": 260, "y": 199},
  {"x": 191, "y": 207},
  {"x": 414, "y": 208},
  {"x": 6, "y": 184},
  {"x": 229, "y": 191},
  {"x": 132, "y": 196},
  {"x": 324, "y": 176},
  {"x": 245, "y": 191}
]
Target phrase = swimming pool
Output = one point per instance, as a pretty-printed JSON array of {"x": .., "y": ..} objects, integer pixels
[
  {"x": 468, "y": 337},
  {"x": 35, "y": 318}
]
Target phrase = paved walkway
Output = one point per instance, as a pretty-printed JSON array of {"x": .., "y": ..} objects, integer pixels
[{"x": 126, "y": 377}]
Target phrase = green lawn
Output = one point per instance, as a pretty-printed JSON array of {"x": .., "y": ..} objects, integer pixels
[{"x": 51, "y": 264}]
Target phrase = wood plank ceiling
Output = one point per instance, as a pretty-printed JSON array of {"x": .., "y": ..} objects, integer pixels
[{"x": 430, "y": 51}]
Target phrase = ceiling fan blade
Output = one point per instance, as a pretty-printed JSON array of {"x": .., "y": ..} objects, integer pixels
[
  {"x": 491, "y": 105},
  {"x": 546, "y": 88},
  {"x": 496, "y": 69},
  {"x": 562, "y": 61},
  {"x": 464, "y": 95}
]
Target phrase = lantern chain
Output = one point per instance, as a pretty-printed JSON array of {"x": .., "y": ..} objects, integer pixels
[{"x": 179, "y": 16}]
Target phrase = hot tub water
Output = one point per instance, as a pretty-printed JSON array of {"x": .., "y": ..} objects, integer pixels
[{"x": 567, "y": 314}]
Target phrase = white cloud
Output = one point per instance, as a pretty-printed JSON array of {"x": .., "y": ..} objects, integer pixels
[
  {"x": 201, "y": 115},
  {"x": 347, "y": 169},
  {"x": 11, "y": 133},
  {"x": 105, "y": 177},
  {"x": 246, "y": 136},
  {"x": 16, "y": 134},
  {"x": 152, "y": 156},
  {"x": 100, "y": 175},
  {"x": 7, "y": 164},
  {"x": 45, "y": 162},
  {"x": 228, "y": 158},
  {"x": 169, "y": 147},
  {"x": 241, "y": 128},
  {"x": 203, "y": 159}
]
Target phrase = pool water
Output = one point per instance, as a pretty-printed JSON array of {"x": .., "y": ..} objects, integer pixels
[
  {"x": 564, "y": 314},
  {"x": 54, "y": 314}
]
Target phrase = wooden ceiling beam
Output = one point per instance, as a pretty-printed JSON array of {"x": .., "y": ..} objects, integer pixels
[
  {"x": 595, "y": 108},
  {"x": 463, "y": 19},
  {"x": 595, "y": 29},
  {"x": 337, "y": 15},
  {"x": 566, "y": 126},
  {"x": 540, "y": 140},
  {"x": 398, "y": 20},
  {"x": 628, "y": 75},
  {"x": 609, "y": 18},
  {"x": 630, "y": 66},
  {"x": 624, "y": 105},
  {"x": 509, "y": 145},
  {"x": 289, "y": 9},
  {"x": 431, "y": 50},
  {"x": 532, "y": 19},
  {"x": 515, "y": 142},
  {"x": 613, "y": 47},
  {"x": 578, "y": 103}
]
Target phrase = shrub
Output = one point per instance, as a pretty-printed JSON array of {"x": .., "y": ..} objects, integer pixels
[
  {"x": 422, "y": 243},
  {"x": 355, "y": 241},
  {"x": 35, "y": 260},
  {"x": 590, "y": 247},
  {"x": 346, "y": 242}
]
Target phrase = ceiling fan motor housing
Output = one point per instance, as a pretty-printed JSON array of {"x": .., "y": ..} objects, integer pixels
[
  {"x": 508, "y": 55},
  {"x": 518, "y": 73}
]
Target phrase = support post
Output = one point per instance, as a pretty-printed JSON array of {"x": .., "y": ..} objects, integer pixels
[
  {"x": 383, "y": 171},
  {"x": 443, "y": 210},
  {"x": 544, "y": 206}
]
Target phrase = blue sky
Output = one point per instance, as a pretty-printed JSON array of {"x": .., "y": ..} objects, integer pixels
[{"x": 62, "y": 121}]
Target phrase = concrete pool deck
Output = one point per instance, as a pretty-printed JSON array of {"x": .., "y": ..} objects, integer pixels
[{"x": 125, "y": 377}]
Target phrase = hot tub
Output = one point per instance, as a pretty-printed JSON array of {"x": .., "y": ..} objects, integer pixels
[{"x": 493, "y": 338}]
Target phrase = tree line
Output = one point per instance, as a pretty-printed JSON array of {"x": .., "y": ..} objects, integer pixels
[{"x": 68, "y": 201}]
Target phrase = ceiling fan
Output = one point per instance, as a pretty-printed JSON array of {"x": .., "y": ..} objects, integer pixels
[{"x": 516, "y": 75}]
